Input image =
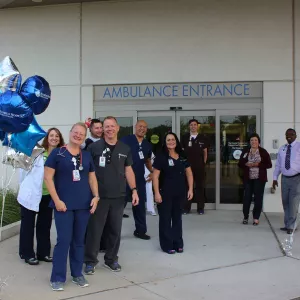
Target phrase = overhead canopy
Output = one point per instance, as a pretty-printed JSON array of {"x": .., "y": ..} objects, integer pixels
[{"x": 27, "y": 3}]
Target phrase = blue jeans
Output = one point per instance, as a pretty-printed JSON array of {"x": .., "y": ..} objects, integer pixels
[
  {"x": 71, "y": 227},
  {"x": 290, "y": 194}
]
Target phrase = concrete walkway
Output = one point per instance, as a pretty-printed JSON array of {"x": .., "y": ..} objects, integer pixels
[{"x": 223, "y": 259}]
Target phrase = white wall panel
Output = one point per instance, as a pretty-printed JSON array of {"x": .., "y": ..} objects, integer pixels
[
  {"x": 278, "y": 102},
  {"x": 297, "y": 60},
  {"x": 177, "y": 41},
  {"x": 64, "y": 108},
  {"x": 297, "y": 39},
  {"x": 87, "y": 101},
  {"x": 43, "y": 41}
]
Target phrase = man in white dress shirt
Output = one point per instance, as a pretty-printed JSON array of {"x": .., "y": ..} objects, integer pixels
[{"x": 288, "y": 164}]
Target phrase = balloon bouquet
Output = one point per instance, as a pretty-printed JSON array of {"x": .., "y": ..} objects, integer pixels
[{"x": 19, "y": 129}]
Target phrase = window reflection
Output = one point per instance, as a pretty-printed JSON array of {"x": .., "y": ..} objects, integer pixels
[{"x": 234, "y": 137}]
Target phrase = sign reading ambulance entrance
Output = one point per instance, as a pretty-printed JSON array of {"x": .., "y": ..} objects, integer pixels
[{"x": 184, "y": 90}]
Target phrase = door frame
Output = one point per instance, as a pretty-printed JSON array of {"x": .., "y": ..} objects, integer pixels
[{"x": 220, "y": 113}]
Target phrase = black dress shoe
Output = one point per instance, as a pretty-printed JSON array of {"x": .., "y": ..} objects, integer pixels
[
  {"x": 283, "y": 228},
  {"x": 32, "y": 261},
  {"x": 179, "y": 250},
  {"x": 45, "y": 258},
  {"x": 142, "y": 236},
  {"x": 289, "y": 231},
  {"x": 125, "y": 216}
]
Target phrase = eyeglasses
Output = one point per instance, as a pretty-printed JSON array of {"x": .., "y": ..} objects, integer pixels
[{"x": 78, "y": 134}]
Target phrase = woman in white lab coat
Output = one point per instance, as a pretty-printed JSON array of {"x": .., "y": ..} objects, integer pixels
[{"x": 34, "y": 199}]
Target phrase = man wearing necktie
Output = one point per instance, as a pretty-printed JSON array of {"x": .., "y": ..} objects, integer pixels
[{"x": 288, "y": 164}]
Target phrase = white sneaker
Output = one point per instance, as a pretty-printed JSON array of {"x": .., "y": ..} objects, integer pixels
[{"x": 153, "y": 213}]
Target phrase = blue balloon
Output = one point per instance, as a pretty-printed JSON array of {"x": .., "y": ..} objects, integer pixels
[
  {"x": 2, "y": 135},
  {"x": 26, "y": 141},
  {"x": 15, "y": 114},
  {"x": 37, "y": 93}
]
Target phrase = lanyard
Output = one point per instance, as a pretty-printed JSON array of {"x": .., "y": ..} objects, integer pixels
[{"x": 61, "y": 154}]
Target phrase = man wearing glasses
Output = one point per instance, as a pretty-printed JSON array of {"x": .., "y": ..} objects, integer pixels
[
  {"x": 141, "y": 154},
  {"x": 113, "y": 161}
]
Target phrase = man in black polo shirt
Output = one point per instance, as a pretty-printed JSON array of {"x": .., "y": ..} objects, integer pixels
[
  {"x": 195, "y": 147},
  {"x": 113, "y": 161}
]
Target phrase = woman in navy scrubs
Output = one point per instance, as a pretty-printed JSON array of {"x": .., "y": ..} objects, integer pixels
[
  {"x": 72, "y": 184},
  {"x": 171, "y": 171}
]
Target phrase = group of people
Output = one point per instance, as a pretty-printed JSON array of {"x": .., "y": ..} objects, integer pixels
[{"x": 87, "y": 183}]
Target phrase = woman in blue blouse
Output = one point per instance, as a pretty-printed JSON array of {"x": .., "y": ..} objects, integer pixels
[
  {"x": 171, "y": 171},
  {"x": 72, "y": 184}
]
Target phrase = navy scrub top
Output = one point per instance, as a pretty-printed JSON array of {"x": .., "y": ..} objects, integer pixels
[
  {"x": 172, "y": 178},
  {"x": 75, "y": 194},
  {"x": 138, "y": 163}
]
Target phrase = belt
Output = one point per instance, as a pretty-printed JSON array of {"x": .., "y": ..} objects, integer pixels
[{"x": 292, "y": 175}]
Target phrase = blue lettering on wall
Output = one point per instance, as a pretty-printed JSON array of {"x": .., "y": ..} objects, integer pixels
[
  {"x": 236, "y": 89},
  {"x": 157, "y": 92},
  {"x": 193, "y": 91},
  {"x": 218, "y": 91},
  {"x": 225, "y": 90},
  {"x": 107, "y": 93},
  {"x": 208, "y": 90},
  {"x": 246, "y": 89},
  {"x": 185, "y": 90},
  {"x": 164, "y": 90},
  {"x": 176, "y": 90},
  {"x": 116, "y": 92},
  {"x": 147, "y": 92}
]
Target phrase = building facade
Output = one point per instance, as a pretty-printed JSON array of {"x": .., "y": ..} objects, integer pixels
[{"x": 234, "y": 65}]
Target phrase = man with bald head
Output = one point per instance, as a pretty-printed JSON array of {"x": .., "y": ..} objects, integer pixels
[{"x": 141, "y": 151}]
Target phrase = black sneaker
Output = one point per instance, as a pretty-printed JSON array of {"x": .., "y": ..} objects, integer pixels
[
  {"x": 142, "y": 236},
  {"x": 32, "y": 261},
  {"x": 89, "y": 270},
  {"x": 46, "y": 258},
  {"x": 114, "y": 267},
  {"x": 201, "y": 211}
]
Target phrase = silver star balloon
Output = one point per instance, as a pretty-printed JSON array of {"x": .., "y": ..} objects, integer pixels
[
  {"x": 20, "y": 160},
  {"x": 10, "y": 77}
]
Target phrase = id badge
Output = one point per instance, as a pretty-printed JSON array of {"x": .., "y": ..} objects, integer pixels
[
  {"x": 102, "y": 161},
  {"x": 141, "y": 154},
  {"x": 171, "y": 162},
  {"x": 76, "y": 175}
]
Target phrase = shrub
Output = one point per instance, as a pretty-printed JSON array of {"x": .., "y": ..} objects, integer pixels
[{"x": 11, "y": 208}]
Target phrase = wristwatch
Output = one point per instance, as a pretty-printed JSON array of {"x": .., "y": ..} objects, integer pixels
[
  {"x": 97, "y": 197},
  {"x": 133, "y": 189}
]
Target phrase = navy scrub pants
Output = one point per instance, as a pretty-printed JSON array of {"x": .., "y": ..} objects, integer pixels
[
  {"x": 71, "y": 228},
  {"x": 139, "y": 211},
  {"x": 170, "y": 222},
  {"x": 43, "y": 227}
]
